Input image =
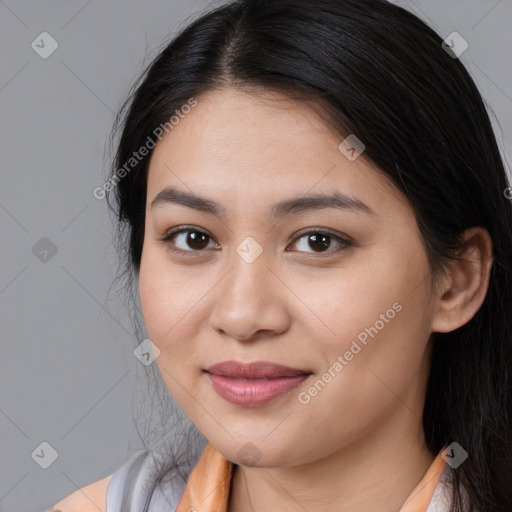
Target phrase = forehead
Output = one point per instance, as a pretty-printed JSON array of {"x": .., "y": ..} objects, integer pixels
[{"x": 234, "y": 144}]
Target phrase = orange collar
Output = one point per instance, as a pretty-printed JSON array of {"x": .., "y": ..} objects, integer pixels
[{"x": 208, "y": 486}]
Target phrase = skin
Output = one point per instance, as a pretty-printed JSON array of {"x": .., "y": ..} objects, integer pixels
[{"x": 358, "y": 444}]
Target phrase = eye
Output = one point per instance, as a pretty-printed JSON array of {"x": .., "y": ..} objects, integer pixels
[
  {"x": 318, "y": 240},
  {"x": 194, "y": 240},
  {"x": 188, "y": 236}
]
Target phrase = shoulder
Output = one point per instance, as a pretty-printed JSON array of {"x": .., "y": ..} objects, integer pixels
[
  {"x": 90, "y": 498},
  {"x": 127, "y": 489}
]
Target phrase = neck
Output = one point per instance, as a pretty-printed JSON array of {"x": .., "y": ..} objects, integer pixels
[{"x": 375, "y": 473}]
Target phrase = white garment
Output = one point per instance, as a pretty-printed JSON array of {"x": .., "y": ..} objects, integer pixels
[
  {"x": 441, "y": 499},
  {"x": 132, "y": 485}
]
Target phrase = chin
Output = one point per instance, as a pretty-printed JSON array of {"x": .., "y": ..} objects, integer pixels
[{"x": 258, "y": 452}]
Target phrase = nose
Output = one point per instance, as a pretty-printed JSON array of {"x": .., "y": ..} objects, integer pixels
[{"x": 251, "y": 301}]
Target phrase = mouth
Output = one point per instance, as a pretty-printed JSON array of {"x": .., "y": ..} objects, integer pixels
[{"x": 253, "y": 384}]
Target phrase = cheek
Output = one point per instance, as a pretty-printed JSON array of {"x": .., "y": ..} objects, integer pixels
[
  {"x": 362, "y": 384},
  {"x": 169, "y": 307},
  {"x": 380, "y": 321},
  {"x": 171, "y": 304},
  {"x": 375, "y": 318},
  {"x": 344, "y": 301}
]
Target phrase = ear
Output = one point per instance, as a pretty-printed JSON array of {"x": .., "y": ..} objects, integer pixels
[{"x": 463, "y": 289}]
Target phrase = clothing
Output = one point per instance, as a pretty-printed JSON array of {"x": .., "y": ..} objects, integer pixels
[
  {"x": 132, "y": 485},
  {"x": 207, "y": 488}
]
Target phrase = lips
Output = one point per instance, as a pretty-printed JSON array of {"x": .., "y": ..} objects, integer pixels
[
  {"x": 257, "y": 370},
  {"x": 253, "y": 384}
]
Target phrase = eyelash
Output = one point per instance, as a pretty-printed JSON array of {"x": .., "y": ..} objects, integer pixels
[{"x": 344, "y": 242}]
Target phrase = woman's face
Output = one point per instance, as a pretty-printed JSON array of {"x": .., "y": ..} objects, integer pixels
[{"x": 249, "y": 284}]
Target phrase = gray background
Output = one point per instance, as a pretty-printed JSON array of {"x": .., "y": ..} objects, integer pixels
[{"x": 67, "y": 369}]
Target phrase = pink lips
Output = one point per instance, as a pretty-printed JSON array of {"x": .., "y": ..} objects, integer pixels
[{"x": 253, "y": 384}]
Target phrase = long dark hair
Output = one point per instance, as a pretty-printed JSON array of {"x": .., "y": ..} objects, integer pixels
[{"x": 377, "y": 71}]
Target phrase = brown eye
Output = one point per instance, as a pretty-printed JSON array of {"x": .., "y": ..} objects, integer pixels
[
  {"x": 320, "y": 241},
  {"x": 187, "y": 240}
]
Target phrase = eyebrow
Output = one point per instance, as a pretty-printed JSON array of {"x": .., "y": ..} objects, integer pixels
[{"x": 171, "y": 195}]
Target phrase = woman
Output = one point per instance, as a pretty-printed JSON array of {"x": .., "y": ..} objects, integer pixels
[{"x": 313, "y": 204}]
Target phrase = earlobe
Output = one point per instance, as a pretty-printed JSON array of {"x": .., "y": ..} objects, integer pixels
[{"x": 466, "y": 283}]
